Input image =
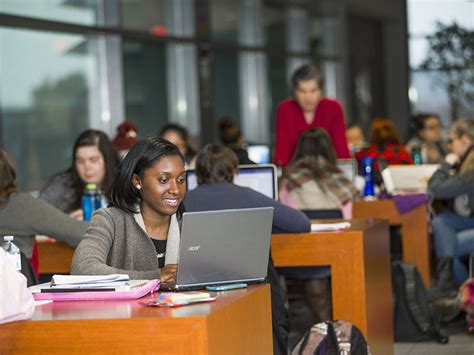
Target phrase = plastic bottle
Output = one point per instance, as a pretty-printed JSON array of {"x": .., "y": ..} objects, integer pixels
[
  {"x": 13, "y": 252},
  {"x": 369, "y": 183},
  {"x": 424, "y": 154},
  {"x": 416, "y": 155},
  {"x": 90, "y": 199},
  {"x": 99, "y": 201}
]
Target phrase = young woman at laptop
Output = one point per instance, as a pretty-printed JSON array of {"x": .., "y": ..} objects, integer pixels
[{"x": 139, "y": 233}]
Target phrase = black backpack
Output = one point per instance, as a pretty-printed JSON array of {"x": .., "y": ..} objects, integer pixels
[
  {"x": 414, "y": 316},
  {"x": 332, "y": 338}
]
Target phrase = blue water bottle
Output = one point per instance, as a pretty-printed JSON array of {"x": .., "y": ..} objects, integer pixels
[
  {"x": 367, "y": 163},
  {"x": 89, "y": 201},
  {"x": 416, "y": 155}
]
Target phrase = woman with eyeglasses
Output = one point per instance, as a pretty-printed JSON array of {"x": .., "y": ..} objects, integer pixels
[
  {"x": 427, "y": 136},
  {"x": 454, "y": 180}
]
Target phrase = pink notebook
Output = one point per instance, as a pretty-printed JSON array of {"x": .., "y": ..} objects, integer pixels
[{"x": 135, "y": 293}]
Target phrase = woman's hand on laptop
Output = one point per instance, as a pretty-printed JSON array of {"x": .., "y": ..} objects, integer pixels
[{"x": 168, "y": 273}]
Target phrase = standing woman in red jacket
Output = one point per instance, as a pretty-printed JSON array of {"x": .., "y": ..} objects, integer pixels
[{"x": 308, "y": 109}]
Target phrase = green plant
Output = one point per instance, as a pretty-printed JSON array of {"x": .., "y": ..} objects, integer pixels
[{"x": 451, "y": 55}]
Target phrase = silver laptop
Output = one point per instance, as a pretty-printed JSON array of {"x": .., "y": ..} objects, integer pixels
[{"x": 220, "y": 247}]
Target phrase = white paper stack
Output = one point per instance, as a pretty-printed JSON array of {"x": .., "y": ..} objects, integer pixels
[{"x": 319, "y": 227}]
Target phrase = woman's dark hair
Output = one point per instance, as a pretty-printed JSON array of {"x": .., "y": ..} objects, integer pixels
[
  {"x": 7, "y": 177},
  {"x": 184, "y": 134},
  {"x": 141, "y": 157},
  {"x": 304, "y": 73},
  {"x": 229, "y": 131},
  {"x": 216, "y": 163},
  {"x": 99, "y": 139},
  {"x": 315, "y": 142},
  {"x": 418, "y": 122},
  {"x": 315, "y": 153}
]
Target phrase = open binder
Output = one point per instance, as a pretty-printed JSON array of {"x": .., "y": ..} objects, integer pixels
[{"x": 135, "y": 292}]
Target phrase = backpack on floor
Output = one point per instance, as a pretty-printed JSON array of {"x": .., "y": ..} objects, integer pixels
[
  {"x": 332, "y": 338},
  {"x": 414, "y": 316}
]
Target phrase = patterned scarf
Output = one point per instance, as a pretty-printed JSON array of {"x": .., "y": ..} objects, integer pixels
[{"x": 329, "y": 178}]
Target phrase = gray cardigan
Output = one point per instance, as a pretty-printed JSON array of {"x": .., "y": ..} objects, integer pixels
[
  {"x": 25, "y": 216},
  {"x": 115, "y": 243},
  {"x": 59, "y": 193}
]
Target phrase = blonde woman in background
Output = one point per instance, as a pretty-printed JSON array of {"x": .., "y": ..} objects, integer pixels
[{"x": 454, "y": 180}]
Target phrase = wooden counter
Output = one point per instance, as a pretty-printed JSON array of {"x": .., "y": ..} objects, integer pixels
[{"x": 239, "y": 322}]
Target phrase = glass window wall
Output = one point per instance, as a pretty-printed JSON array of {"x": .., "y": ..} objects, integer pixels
[
  {"x": 145, "y": 86},
  {"x": 80, "y": 12},
  {"x": 48, "y": 81}
]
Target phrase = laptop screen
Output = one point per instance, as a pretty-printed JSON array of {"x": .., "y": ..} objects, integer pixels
[
  {"x": 261, "y": 178},
  {"x": 259, "y": 154},
  {"x": 348, "y": 167}
]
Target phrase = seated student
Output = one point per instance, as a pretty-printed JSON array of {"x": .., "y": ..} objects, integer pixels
[
  {"x": 312, "y": 180},
  {"x": 385, "y": 144},
  {"x": 454, "y": 180},
  {"x": 427, "y": 135},
  {"x": 355, "y": 138},
  {"x": 215, "y": 169},
  {"x": 94, "y": 161},
  {"x": 386, "y": 148},
  {"x": 231, "y": 136},
  {"x": 24, "y": 216},
  {"x": 139, "y": 233},
  {"x": 179, "y": 136}
]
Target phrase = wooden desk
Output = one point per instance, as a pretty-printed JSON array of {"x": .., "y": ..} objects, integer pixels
[
  {"x": 54, "y": 257},
  {"x": 239, "y": 322},
  {"x": 359, "y": 258},
  {"x": 414, "y": 230}
]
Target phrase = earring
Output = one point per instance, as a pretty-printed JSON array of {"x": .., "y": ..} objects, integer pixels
[{"x": 138, "y": 187}]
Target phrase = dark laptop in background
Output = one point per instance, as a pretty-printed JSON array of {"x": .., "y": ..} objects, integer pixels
[
  {"x": 222, "y": 247},
  {"x": 261, "y": 178}
]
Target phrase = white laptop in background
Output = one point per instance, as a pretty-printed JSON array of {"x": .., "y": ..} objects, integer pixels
[
  {"x": 408, "y": 178},
  {"x": 259, "y": 154},
  {"x": 348, "y": 167},
  {"x": 221, "y": 247}
]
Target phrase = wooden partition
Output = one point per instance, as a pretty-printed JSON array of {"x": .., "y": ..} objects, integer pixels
[
  {"x": 359, "y": 258},
  {"x": 416, "y": 243}
]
